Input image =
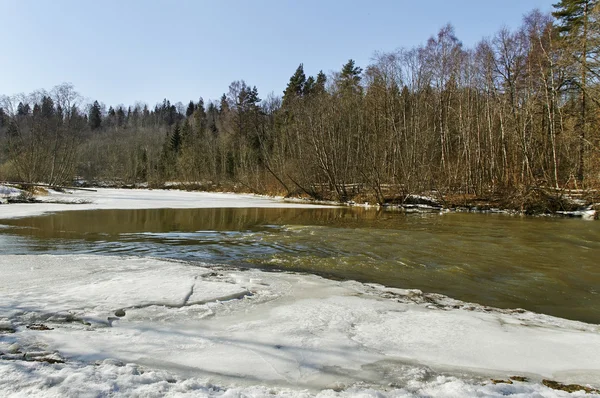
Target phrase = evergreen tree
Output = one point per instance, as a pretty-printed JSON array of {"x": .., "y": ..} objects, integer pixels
[
  {"x": 23, "y": 109},
  {"x": 95, "y": 116},
  {"x": 573, "y": 24},
  {"x": 185, "y": 133},
  {"x": 120, "y": 116},
  {"x": 350, "y": 77},
  {"x": 212, "y": 114},
  {"x": 47, "y": 108},
  {"x": 295, "y": 87},
  {"x": 190, "y": 109},
  {"x": 200, "y": 116},
  {"x": 253, "y": 98},
  {"x": 320, "y": 83},
  {"x": 176, "y": 139},
  {"x": 309, "y": 85},
  {"x": 573, "y": 15},
  {"x": 223, "y": 104}
]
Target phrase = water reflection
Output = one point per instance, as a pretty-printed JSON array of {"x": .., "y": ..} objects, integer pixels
[{"x": 545, "y": 265}]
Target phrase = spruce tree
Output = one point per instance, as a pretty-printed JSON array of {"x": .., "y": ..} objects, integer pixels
[
  {"x": 176, "y": 139},
  {"x": 199, "y": 116},
  {"x": 212, "y": 114},
  {"x": 320, "y": 83},
  {"x": 190, "y": 109},
  {"x": 120, "y": 116},
  {"x": 185, "y": 133},
  {"x": 47, "y": 108},
  {"x": 309, "y": 85},
  {"x": 23, "y": 109},
  {"x": 95, "y": 116},
  {"x": 295, "y": 87}
]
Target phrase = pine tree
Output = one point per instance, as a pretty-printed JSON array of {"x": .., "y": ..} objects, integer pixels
[
  {"x": 350, "y": 77},
  {"x": 573, "y": 24},
  {"x": 253, "y": 98},
  {"x": 95, "y": 116},
  {"x": 573, "y": 15}
]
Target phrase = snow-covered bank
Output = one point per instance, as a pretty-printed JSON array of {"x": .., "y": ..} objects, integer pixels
[
  {"x": 223, "y": 332},
  {"x": 7, "y": 192},
  {"x": 107, "y": 198}
]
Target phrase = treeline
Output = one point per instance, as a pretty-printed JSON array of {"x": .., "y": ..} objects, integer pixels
[{"x": 519, "y": 110}]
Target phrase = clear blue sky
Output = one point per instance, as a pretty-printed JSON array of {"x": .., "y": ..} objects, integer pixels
[{"x": 122, "y": 51}]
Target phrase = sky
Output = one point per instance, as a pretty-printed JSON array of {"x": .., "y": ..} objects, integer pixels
[{"x": 120, "y": 52}]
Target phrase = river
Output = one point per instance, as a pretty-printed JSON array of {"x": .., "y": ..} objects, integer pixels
[{"x": 546, "y": 265}]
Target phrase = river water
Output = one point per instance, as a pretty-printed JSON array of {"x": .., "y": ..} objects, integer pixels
[{"x": 546, "y": 265}]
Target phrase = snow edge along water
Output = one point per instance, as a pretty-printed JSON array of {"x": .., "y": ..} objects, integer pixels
[{"x": 283, "y": 332}]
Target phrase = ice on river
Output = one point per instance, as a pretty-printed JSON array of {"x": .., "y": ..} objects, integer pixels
[
  {"x": 108, "y": 198},
  {"x": 94, "y": 325}
]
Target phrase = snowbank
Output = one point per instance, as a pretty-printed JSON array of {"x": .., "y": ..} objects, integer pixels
[
  {"x": 128, "y": 326},
  {"x": 7, "y": 192},
  {"x": 106, "y": 198}
]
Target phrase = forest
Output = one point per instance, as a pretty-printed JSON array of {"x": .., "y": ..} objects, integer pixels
[{"x": 516, "y": 114}]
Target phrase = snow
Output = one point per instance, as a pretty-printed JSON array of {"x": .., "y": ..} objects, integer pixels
[
  {"x": 223, "y": 332},
  {"x": 115, "y": 379},
  {"x": 107, "y": 198},
  {"x": 9, "y": 191},
  {"x": 88, "y": 325}
]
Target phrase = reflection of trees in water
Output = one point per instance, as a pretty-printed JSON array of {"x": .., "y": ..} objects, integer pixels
[{"x": 187, "y": 220}]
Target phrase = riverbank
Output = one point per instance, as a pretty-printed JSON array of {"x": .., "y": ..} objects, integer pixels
[
  {"x": 115, "y": 198},
  {"x": 535, "y": 203},
  {"x": 538, "y": 201},
  {"x": 121, "y": 326}
]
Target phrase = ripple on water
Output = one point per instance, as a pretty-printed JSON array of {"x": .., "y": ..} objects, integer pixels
[{"x": 545, "y": 265}]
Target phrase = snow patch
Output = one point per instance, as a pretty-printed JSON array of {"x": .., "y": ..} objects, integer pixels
[
  {"x": 107, "y": 198},
  {"x": 186, "y": 329}
]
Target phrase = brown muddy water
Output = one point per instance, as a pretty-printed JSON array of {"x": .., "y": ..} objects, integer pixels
[{"x": 546, "y": 265}]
